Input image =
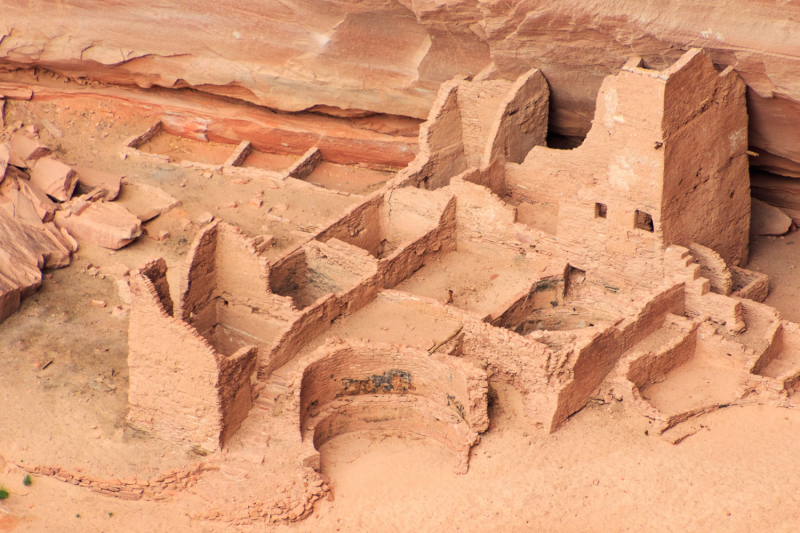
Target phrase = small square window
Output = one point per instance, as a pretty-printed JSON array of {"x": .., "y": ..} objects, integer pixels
[
  {"x": 644, "y": 221},
  {"x": 600, "y": 210}
]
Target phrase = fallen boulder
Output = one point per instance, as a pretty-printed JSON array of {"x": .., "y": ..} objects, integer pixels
[
  {"x": 26, "y": 150},
  {"x": 146, "y": 201},
  {"x": 109, "y": 225},
  {"x": 24, "y": 252},
  {"x": 89, "y": 179},
  {"x": 19, "y": 195},
  {"x": 55, "y": 178},
  {"x": 767, "y": 219},
  {"x": 17, "y": 205}
]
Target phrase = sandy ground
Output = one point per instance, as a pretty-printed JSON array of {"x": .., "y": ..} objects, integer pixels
[
  {"x": 600, "y": 472},
  {"x": 779, "y": 258}
]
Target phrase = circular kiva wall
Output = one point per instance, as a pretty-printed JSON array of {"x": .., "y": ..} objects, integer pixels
[{"x": 364, "y": 386}]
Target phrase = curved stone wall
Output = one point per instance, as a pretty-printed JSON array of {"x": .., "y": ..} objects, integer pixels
[{"x": 358, "y": 386}]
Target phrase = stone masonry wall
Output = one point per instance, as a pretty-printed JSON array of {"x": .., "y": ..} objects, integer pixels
[
  {"x": 173, "y": 374},
  {"x": 597, "y": 357},
  {"x": 198, "y": 283},
  {"x": 478, "y": 103},
  {"x": 370, "y": 368},
  {"x": 361, "y": 226},
  {"x": 441, "y": 148},
  {"x": 706, "y": 176}
]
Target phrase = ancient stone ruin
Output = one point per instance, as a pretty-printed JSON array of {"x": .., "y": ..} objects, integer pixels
[{"x": 374, "y": 282}]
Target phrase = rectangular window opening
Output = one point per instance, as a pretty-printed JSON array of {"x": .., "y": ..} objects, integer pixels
[
  {"x": 600, "y": 210},
  {"x": 644, "y": 221}
]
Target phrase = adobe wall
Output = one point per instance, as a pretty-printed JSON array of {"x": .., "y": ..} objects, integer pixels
[
  {"x": 521, "y": 121},
  {"x": 234, "y": 388},
  {"x": 225, "y": 292},
  {"x": 315, "y": 269},
  {"x": 441, "y": 148},
  {"x": 713, "y": 268},
  {"x": 412, "y": 256},
  {"x": 181, "y": 389},
  {"x": 359, "y": 368},
  {"x": 545, "y": 290},
  {"x": 336, "y": 265},
  {"x": 479, "y": 124},
  {"x": 483, "y": 219},
  {"x": 679, "y": 265},
  {"x": 596, "y": 198},
  {"x": 288, "y": 277},
  {"x": 404, "y": 261},
  {"x": 706, "y": 174},
  {"x": 653, "y": 366},
  {"x": 749, "y": 284},
  {"x": 199, "y": 281},
  {"x": 408, "y": 213},
  {"x": 413, "y": 415},
  {"x": 557, "y": 371},
  {"x": 597, "y": 356},
  {"x": 478, "y": 103},
  {"x": 155, "y": 488},
  {"x": 156, "y": 272},
  {"x": 360, "y": 226},
  {"x": 173, "y": 373},
  {"x": 315, "y": 320},
  {"x": 764, "y": 334},
  {"x": 303, "y": 167},
  {"x": 359, "y": 386},
  {"x": 624, "y": 175}
]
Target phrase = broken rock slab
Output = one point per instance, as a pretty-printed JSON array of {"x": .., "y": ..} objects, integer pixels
[
  {"x": 23, "y": 200},
  {"x": 13, "y": 202},
  {"x": 90, "y": 179},
  {"x": 24, "y": 252},
  {"x": 767, "y": 219},
  {"x": 52, "y": 128},
  {"x": 146, "y": 201},
  {"x": 4, "y": 155},
  {"x": 55, "y": 178},
  {"x": 109, "y": 225},
  {"x": 44, "y": 206},
  {"x": 26, "y": 150}
]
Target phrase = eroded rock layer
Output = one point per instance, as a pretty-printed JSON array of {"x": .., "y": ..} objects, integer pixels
[{"x": 355, "y": 58}]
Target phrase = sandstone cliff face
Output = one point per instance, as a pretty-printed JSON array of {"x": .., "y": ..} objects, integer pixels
[{"x": 383, "y": 56}]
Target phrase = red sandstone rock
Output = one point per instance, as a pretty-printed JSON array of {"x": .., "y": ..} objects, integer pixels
[
  {"x": 26, "y": 150},
  {"x": 5, "y": 154},
  {"x": 54, "y": 178},
  {"x": 341, "y": 65},
  {"x": 161, "y": 236},
  {"x": 109, "y": 225},
  {"x": 146, "y": 201},
  {"x": 89, "y": 178},
  {"x": 767, "y": 219},
  {"x": 52, "y": 128},
  {"x": 27, "y": 249},
  {"x": 205, "y": 218},
  {"x": 24, "y": 199},
  {"x": 15, "y": 91},
  {"x": 263, "y": 243}
]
